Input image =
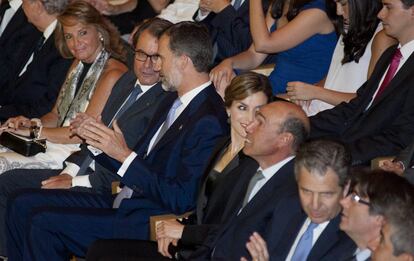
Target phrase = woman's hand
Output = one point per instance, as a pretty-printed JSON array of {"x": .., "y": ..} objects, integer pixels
[
  {"x": 17, "y": 122},
  {"x": 221, "y": 76},
  {"x": 301, "y": 91},
  {"x": 170, "y": 228}
]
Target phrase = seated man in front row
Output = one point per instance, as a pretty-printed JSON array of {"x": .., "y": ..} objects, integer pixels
[
  {"x": 377, "y": 201},
  {"x": 160, "y": 176},
  {"x": 308, "y": 229}
]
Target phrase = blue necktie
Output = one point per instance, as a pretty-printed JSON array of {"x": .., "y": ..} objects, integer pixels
[
  {"x": 131, "y": 99},
  {"x": 237, "y": 4},
  {"x": 305, "y": 244}
]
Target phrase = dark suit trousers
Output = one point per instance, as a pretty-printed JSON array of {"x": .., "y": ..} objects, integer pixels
[
  {"x": 13, "y": 180},
  {"x": 34, "y": 223}
]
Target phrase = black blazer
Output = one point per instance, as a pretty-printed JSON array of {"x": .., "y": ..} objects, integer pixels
[
  {"x": 34, "y": 93},
  {"x": 383, "y": 129},
  {"x": 229, "y": 242},
  {"x": 17, "y": 43},
  {"x": 288, "y": 218}
]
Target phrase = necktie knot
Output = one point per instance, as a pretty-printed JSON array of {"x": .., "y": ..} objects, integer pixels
[{"x": 304, "y": 245}]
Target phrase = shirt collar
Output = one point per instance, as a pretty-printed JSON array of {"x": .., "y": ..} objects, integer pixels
[
  {"x": 49, "y": 30},
  {"x": 270, "y": 171},
  {"x": 15, "y": 4},
  {"x": 188, "y": 96},
  {"x": 144, "y": 88},
  {"x": 407, "y": 49},
  {"x": 362, "y": 255}
]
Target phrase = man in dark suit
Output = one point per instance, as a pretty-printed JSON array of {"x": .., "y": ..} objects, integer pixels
[
  {"x": 17, "y": 40},
  {"x": 397, "y": 232},
  {"x": 373, "y": 194},
  {"x": 380, "y": 120},
  {"x": 132, "y": 119},
  {"x": 229, "y": 25},
  {"x": 310, "y": 230},
  {"x": 32, "y": 90},
  {"x": 272, "y": 139},
  {"x": 160, "y": 176}
]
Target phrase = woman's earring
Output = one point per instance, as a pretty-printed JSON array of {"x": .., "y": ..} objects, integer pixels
[
  {"x": 228, "y": 119},
  {"x": 101, "y": 38}
]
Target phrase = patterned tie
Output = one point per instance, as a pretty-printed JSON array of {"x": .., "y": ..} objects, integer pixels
[
  {"x": 126, "y": 192},
  {"x": 396, "y": 58},
  {"x": 305, "y": 244},
  {"x": 128, "y": 103},
  {"x": 253, "y": 181}
]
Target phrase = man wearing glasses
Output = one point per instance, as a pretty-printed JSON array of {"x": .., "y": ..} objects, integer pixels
[{"x": 360, "y": 220}]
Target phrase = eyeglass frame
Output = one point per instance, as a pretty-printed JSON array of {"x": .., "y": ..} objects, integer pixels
[
  {"x": 153, "y": 58},
  {"x": 356, "y": 198}
]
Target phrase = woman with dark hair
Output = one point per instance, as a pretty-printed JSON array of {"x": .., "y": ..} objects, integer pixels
[
  {"x": 301, "y": 34},
  {"x": 246, "y": 93},
  {"x": 83, "y": 34},
  {"x": 361, "y": 43}
]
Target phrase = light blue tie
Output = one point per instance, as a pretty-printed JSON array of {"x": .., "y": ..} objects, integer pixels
[
  {"x": 237, "y": 4},
  {"x": 168, "y": 121},
  {"x": 305, "y": 244}
]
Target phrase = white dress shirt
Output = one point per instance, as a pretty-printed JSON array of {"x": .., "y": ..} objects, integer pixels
[
  {"x": 8, "y": 15},
  {"x": 185, "y": 100},
  {"x": 316, "y": 234}
]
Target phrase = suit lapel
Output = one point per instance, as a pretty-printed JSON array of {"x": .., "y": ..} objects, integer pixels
[
  {"x": 328, "y": 239},
  {"x": 145, "y": 101},
  {"x": 117, "y": 99},
  {"x": 184, "y": 117}
]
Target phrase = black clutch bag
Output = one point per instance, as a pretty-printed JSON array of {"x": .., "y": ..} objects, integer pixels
[{"x": 22, "y": 145}]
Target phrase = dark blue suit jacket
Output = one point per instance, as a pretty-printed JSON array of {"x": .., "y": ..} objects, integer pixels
[
  {"x": 166, "y": 180},
  {"x": 288, "y": 218},
  {"x": 34, "y": 93},
  {"x": 229, "y": 242},
  {"x": 16, "y": 44},
  {"x": 230, "y": 29}
]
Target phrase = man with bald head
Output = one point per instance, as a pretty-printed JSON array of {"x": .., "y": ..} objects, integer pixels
[{"x": 272, "y": 140}]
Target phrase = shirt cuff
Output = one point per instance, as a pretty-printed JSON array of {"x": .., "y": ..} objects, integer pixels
[
  {"x": 71, "y": 169},
  {"x": 81, "y": 181},
  {"x": 124, "y": 167}
]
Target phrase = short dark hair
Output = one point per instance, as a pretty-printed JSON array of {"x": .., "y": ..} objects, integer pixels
[
  {"x": 407, "y": 3},
  {"x": 317, "y": 156},
  {"x": 246, "y": 84},
  {"x": 155, "y": 26},
  {"x": 392, "y": 197},
  {"x": 297, "y": 128},
  {"x": 192, "y": 40}
]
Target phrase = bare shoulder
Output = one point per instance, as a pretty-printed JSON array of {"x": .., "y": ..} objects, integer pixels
[{"x": 114, "y": 68}]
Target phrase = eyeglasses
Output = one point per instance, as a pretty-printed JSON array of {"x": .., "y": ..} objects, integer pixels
[
  {"x": 356, "y": 198},
  {"x": 142, "y": 56}
]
